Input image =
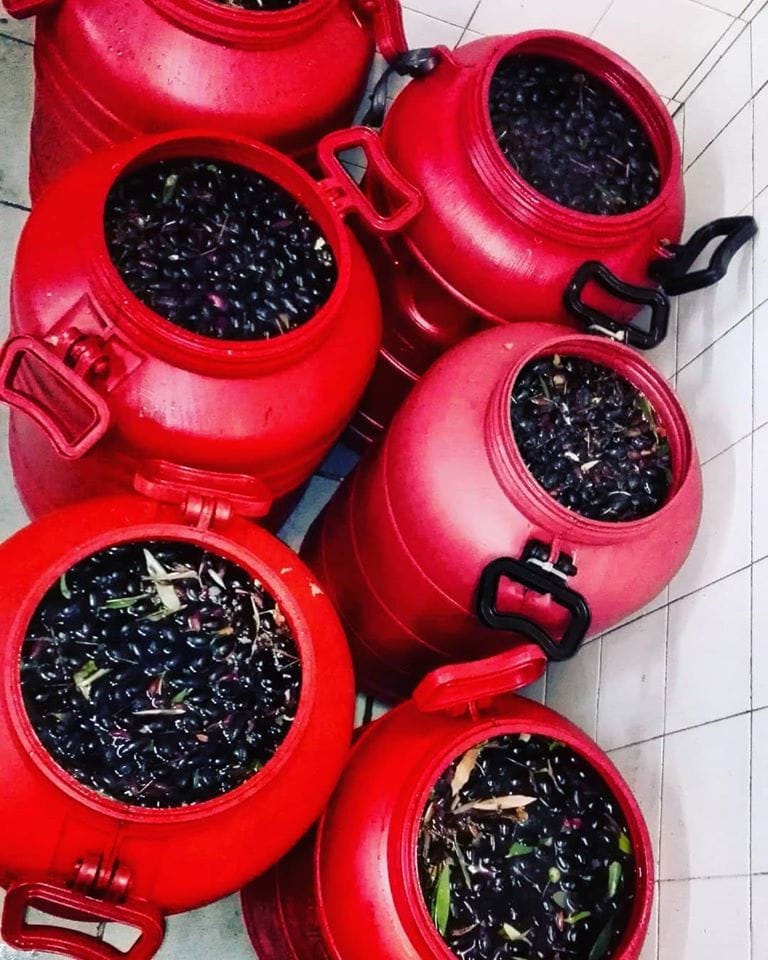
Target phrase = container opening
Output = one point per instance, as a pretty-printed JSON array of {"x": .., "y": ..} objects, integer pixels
[
  {"x": 591, "y": 439},
  {"x": 160, "y": 674},
  {"x": 524, "y": 852},
  {"x": 572, "y": 137},
  {"x": 218, "y": 249}
]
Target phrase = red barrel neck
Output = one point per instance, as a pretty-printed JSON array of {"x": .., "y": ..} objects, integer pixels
[
  {"x": 239, "y": 27},
  {"x": 514, "y": 194},
  {"x": 519, "y": 484}
]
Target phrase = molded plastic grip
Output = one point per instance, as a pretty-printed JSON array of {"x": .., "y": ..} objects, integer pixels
[
  {"x": 62, "y": 902},
  {"x": 412, "y": 63},
  {"x": 672, "y": 272},
  {"x": 595, "y": 319},
  {"x": 36, "y": 381},
  {"x": 386, "y": 18},
  {"x": 347, "y": 196},
  {"x": 246, "y": 495},
  {"x": 461, "y": 684},
  {"x": 21, "y": 9},
  {"x": 541, "y": 581}
]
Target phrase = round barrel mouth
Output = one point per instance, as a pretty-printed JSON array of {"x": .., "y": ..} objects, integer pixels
[
  {"x": 649, "y": 384},
  {"x": 179, "y": 698},
  {"x": 155, "y": 331},
  {"x": 457, "y": 754},
  {"x": 629, "y": 88}
]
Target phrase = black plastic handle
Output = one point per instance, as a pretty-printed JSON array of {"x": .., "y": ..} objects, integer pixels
[
  {"x": 412, "y": 63},
  {"x": 595, "y": 272},
  {"x": 672, "y": 272},
  {"x": 533, "y": 578}
]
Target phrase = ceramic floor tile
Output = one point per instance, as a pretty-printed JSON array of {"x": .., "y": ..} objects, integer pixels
[
  {"x": 215, "y": 931},
  {"x": 698, "y": 625},
  {"x": 706, "y": 782},
  {"x": 760, "y": 499},
  {"x": 760, "y": 49},
  {"x": 761, "y": 140},
  {"x": 716, "y": 390},
  {"x": 640, "y": 765},
  {"x": 761, "y": 248},
  {"x": 664, "y": 357},
  {"x": 317, "y": 494},
  {"x": 761, "y": 364},
  {"x": 759, "y": 917},
  {"x": 423, "y": 31},
  {"x": 704, "y": 919},
  {"x": 760, "y": 635},
  {"x": 723, "y": 542},
  {"x": 710, "y": 60},
  {"x": 572, "y": 687},
  {"x": 15, "y": 113},
  {"x": 719, "y": 97},
  {"x": 457, "y": 12},
  {"x": 631, "y": 706},
  {"x": 514, "y": 16},
  {"x": 12, "y": 514},
  {"x": 760, "y": 791},
  {"x": 20, "y": 29},
  {"x": 734, "y": 7},
  {"x": 665, "y": 39},
  {"x": 707, "y": 314}
]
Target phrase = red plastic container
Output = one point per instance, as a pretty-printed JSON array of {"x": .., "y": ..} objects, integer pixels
[
  {"x": 100, "y": 383},
  {"x": 69, "y": 850},
  {"x": 442, "y": 547},
  {"x": 487, "y": 247},
  {"x": 353, "y": 892},
  {"x": 107, "y": 71}
]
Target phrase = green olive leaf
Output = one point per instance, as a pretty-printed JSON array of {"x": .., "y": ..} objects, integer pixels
[
  {"x": 441, "y": 905},
  {"x": 614, "y": 876},
  {"x": 64, "y": 587},
  {"x": 559, "y": 898},
  {"x": 625, "y": 844},
  {"x": 519, "y": 850},
  {"x": 169, "y": 187},
  {"x": 576, "y": 917},
  {"x": 600, "y": 946}
]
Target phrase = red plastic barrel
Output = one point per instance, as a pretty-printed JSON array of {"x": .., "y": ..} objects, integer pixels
[
  {"x": 100, "y": 383},
  {"x": 107, "y": 71},
  {"x": 442, "y": 546},
  {"x": 487, "y": 247},
  {"x": 65, "y": 848},
  {"x": 352, "y": 893}
]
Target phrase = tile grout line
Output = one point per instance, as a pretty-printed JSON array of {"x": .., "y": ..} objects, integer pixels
[
  {"x": 602, "y": 17},
  {"x": 700, "y": 154},
  {"x": 676, "y": 94},
  {"x": 15, "y": 206},
  {"x": 8, "y": 36},
  {"x": 750, "y": 813},
  {"x": 664, "y": 738},
  {"x": 720, "y": 336}
]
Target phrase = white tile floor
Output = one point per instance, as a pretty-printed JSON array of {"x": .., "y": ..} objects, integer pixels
[{"x": 679, "y": 695}]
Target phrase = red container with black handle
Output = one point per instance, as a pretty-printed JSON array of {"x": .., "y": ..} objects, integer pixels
[
  {"x": 442, "y": 546},
  {"x": 352, "y": 891},
  {"x": 487, "y": 247},
  {"x": 107, "y": 71}
]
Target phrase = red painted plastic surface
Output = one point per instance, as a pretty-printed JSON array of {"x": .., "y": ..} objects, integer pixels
[
  {"x": 487, "y": 247},
  {"x": 107, "y": 71},
  {"x": 110, "y": 384},
  {"x": 157, "y": 861},
  {"x": 352, "y": 893},
  {"x": 402, "y": 545}
]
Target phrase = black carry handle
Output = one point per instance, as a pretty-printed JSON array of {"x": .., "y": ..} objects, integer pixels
[
  {"x": 672, "y": 273},
  {"x": 656, "y": 299},
  {"x": 412, "y": 63},
  {"x": 542, "y": 582}
]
